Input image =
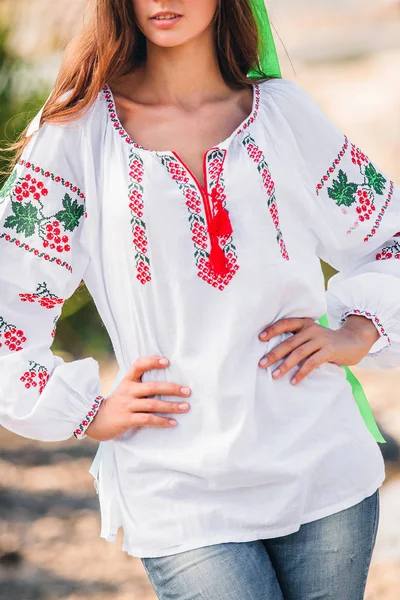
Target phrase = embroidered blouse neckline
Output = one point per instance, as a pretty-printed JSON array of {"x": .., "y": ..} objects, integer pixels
[{"x": 123, "y": 134}]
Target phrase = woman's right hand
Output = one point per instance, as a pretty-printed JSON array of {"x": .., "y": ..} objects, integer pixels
[{"x": 131, "y": 404}]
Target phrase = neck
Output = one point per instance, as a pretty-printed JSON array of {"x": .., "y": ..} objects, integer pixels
[{"x": 186, "y": 74}]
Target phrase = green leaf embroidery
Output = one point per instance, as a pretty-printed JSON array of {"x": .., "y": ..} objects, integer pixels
[
  {"x": 71, "y": 215},
  {"x": 7, "y": 187},
  {"x": 375, "y": 179},
  {"x": 342, "y": 191},
  {"x": 24, "y": 218}
]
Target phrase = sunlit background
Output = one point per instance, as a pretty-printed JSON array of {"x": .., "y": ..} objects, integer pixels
[{"x": 344, "y": 52}]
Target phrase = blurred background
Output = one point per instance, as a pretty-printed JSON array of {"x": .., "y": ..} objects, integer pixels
[{"x": 344, "y": 52}]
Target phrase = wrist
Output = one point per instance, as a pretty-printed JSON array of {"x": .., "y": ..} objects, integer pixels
[{"x": 363, "y": 328}]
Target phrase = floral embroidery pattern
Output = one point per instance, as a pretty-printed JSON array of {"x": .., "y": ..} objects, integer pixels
[
  {"x": 381, "y": 213},
  {"x": 29, "y": 220},
  {"x": 43, "y": 296},
  {"x": 136, "y": 173},
  {"x": 362, "y": 195},
  {"x": 13, "y": 338},
  {"x": 390, "y": 251},
  {"x": 198, "y": 224},
  {"x": 84, "y": 424},
  {"x": 334, "y": 165},
  {"x": 258, "y": 158},
  {"x": 370, "y": 316},
  {"x": 37, "y": 375}
]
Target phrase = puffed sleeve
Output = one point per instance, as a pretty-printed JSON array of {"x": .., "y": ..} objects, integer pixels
[
  {"x": 355, "y": 210},
  {"x": 42, "y": 262}
]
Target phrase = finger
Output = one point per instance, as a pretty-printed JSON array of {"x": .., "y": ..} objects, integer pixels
[
  {"x": 150, "y": 420},
  {"x": 295, "y": 357},
  {"x": 314, "y": 361},
  {"x": 153, "y": 405},
  {"x": 283, "y": 326},
  {"x": 284, "y": 348},
  {"x": 153, "y": 388},
  {"x": 146, "y": 363}
]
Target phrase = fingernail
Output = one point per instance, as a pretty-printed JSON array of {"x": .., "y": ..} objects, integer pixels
[
  {"x": 264, "y": 335},
  {"x": 163, "y": 361},
  {"x": 172, "y": 421},
  {"x": 183, "y": 406},
  {"x": 264, "y": 361},
  {"x": 185, "y": 391},
  {"x": 276, "y": 373},
  {"x": 293, "y": 381}
]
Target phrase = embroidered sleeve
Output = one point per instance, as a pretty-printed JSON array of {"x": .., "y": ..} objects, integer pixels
[
  {"x": 355, "y": 210},
  {"x": 42, "y": 261}
]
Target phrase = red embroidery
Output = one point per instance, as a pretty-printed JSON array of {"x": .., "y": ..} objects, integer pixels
[
  {"x": 390, "y": 251},
  {"x": 84, "y": 424},
  {"x": 258, "y": 158},
  {"x": 333, "y": 166},
  {"x": 136, "y": 173},
  {"x": 37, "y": 375},
  {"x": 381, "y": 213},
  {"x": 28, "y": 218},
  {"x": 206, "y": 246},
  {"x": 53, "y": 331},
  {"x": 12, "y": 337},
  {"x": 43, "y": 296}
]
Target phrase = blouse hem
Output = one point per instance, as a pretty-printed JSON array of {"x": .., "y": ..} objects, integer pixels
[{"x": 256, "y": 534}]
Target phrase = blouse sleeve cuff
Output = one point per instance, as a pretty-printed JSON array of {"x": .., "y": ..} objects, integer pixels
[
  {"x": 79, "y": 432},
  {"x": 383, "y": 343}
]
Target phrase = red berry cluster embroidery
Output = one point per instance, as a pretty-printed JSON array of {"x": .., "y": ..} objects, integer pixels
[
  {"x": 43, "y": 296},
  {"x": 37, "y": 375},
  {"x": 27, "y": 192},
  {"x": 392, "y": 250},
  {"x": 11, "y": 337},
  {"x": 84, "y": 424},
  {"x": 258, "y": 158},
  {"x": 136, "y": 191},
  {"x": 370, "y": 316}
]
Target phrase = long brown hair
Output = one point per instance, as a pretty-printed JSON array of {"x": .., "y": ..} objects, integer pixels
[{"x": 110, "y": 45}]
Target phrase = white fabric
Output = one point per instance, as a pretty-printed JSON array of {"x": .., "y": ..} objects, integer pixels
[{"x": 253, "y": 458}]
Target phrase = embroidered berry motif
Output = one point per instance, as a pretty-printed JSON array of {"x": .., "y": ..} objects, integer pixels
[
  {"x": 36, "y": 376},
  {"x": 27, "y": 194},
  {"x": 258, "y": 158},
  {"x": 11, "y": 337},
  {"x": 194, "y": 194},
  {"x": 361, "y": 195},
  {"x": 390, "y": 251},
  {"x": 53, "y": 331},
  {"x": 136, "y": 173},
  {"x": 370, "y": 316},
  {"x": 84, "y": 424},
  {"x": 42, "y": 296}
]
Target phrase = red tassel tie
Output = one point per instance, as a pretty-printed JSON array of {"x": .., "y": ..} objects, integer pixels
[{"x": 218, "y": 261}]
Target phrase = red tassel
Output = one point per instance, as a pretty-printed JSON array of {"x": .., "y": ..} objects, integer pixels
[
  {"x": 221, "y": 223},
  {"x": 218, "y": 260}
]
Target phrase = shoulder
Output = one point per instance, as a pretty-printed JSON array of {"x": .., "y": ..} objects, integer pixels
[{"x": 285, "y": 92}]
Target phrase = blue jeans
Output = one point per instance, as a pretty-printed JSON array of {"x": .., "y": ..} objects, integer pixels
[{"x": 327, "y": 559}]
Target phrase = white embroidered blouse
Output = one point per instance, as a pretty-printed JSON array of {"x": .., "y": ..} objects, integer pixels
[{"x": 195, "y": 275}]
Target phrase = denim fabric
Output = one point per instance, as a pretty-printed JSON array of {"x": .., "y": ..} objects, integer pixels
[{"x": 327, "y": 559}]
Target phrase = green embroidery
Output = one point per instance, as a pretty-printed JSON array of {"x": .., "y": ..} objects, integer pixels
[
  {"x": 342, "y": 191},
  {"x": 24, "y": 218},
  {"x": 71, "y": 214},
  {"x": 375, "y": 179},
  {"x": 7, "y": 187}
]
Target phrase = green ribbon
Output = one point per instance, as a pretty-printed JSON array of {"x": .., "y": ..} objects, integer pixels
[
  {"x": 267, "y": 54},
  {"x": 360, "y": 397},
  {"x": 269, "y": 66}
]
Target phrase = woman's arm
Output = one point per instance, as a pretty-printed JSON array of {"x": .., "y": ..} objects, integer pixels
[{"x": 42, "y": 261}]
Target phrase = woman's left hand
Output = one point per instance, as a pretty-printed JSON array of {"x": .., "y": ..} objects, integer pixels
[{"x": 316, "y": 345}]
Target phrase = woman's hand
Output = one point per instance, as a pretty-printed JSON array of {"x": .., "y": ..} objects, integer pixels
[
  {"x": 316, "y": 345},
  {"x": 131, "y": 404}
]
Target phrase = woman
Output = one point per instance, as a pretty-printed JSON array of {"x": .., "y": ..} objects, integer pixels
[{"x": 233, "y": 453}]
